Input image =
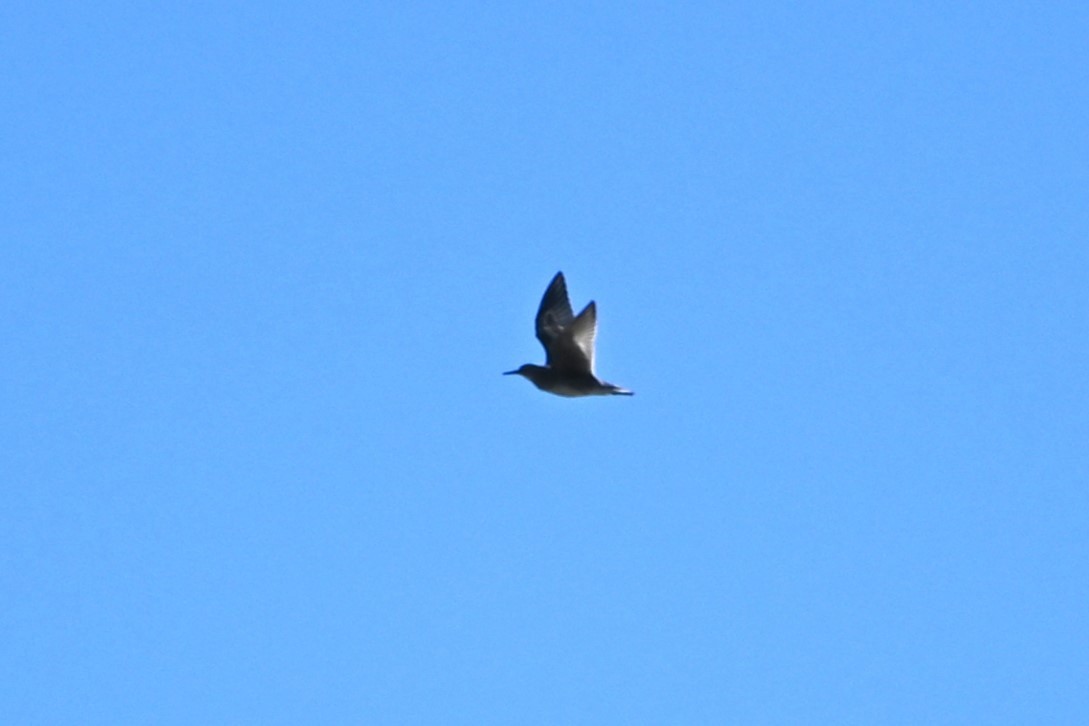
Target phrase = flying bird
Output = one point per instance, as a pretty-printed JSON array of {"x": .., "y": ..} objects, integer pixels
[{"x": 569, "y": 348}]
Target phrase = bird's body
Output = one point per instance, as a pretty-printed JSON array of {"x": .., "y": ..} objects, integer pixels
[{"x": 568, "y": 341}]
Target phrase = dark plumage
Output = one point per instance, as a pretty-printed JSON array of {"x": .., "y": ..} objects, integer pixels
[{"x": 568, "y": 341}]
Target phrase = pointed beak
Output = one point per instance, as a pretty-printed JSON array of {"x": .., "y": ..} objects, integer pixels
[{"x": 510, "y": 373}]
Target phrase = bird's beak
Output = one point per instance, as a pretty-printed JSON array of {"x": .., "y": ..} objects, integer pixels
[{"x": 510, "y": 373}]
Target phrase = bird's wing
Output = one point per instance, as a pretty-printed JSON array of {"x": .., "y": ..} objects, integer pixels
[
  {"x": 573, "y": 349},
  {"x": 554, "y": 315},
  {"x": 583, "y": 332}
]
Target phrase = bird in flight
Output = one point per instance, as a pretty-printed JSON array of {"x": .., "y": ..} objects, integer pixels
[{"x": 569, "y": 348}]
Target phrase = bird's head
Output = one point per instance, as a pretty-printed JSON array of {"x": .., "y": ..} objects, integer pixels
[{"x": 523, "y": 370}]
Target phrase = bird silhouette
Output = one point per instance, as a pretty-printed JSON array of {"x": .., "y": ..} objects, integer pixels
[{"x": 568, "y": 341}]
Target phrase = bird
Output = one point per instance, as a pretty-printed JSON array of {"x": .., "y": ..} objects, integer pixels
[{"x": 568, "y": 341}]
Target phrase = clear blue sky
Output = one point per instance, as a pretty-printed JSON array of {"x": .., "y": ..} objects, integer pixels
[{"x": 261, "y": 266}]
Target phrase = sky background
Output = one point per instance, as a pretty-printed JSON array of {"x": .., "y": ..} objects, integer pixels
[{"x": 262, "y": 264}]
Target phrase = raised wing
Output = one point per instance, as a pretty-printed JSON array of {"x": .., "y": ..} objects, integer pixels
[
  {"x": 584, "y": 331},
  {"x": 554, "y": 315},
  {"x": 568, "y": 340}
]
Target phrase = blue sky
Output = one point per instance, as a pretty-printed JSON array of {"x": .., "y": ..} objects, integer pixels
[{"x": 261, "y": 266}]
